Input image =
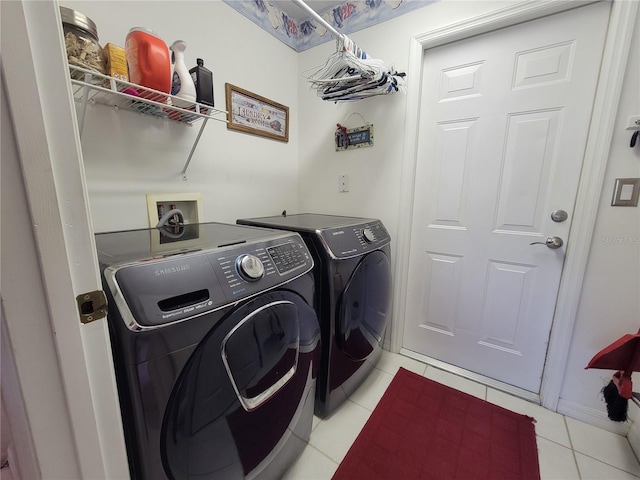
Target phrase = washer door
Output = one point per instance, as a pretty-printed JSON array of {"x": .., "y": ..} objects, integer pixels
[
  {"x": 364, "y": 307},
  {"x": 260, "y": 354},
  {"x": 240, "y": 390}
]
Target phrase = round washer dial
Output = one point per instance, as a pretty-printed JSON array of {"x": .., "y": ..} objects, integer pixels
[
  {"x": 250, "y": 267},
  {"x": 368, "y": 235}
]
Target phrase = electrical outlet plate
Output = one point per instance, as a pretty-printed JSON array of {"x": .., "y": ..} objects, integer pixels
[{"x": 343, "y": 183}]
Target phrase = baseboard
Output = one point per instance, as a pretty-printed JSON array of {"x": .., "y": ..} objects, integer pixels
[
  {"x": 634, "y": 431},
  {"x": 597, "y": 418}
]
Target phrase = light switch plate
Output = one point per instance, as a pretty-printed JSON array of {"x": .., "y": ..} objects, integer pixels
[
  {"x": 633, "y": 122},
  {"x": 626, "y": 192}
]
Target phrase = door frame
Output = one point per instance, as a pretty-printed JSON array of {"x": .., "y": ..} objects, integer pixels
[
  {"x": 613, "y": 66},
  {"x": 36, "y": 77}
]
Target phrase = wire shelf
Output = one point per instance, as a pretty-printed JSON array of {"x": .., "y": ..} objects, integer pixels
[{"x": 94, "y": 88}]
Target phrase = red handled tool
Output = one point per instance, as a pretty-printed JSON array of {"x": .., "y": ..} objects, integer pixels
[{"x": 622, "y": 355}]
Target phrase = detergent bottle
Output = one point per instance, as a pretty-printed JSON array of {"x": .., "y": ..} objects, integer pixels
[
  {"x": 182, "y": 84},
  {"x": 148, "y": 60}
]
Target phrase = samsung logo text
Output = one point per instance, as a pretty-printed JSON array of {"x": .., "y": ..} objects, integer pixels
[{"x": 170, "y": 270}]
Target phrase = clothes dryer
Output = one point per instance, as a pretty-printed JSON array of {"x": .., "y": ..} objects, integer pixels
[
  {"x": 353, "y": 296},
  {"x": 216, "y": 348}
]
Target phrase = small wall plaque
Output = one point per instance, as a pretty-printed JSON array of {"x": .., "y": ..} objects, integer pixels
[{"x": 355, "y": 137}]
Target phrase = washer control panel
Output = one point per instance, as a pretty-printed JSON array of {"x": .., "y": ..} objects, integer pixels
[
  {"x": 349, "y": 241},
  {"x": 165, "y": 290},
  {"x": 250, "y": 269}
]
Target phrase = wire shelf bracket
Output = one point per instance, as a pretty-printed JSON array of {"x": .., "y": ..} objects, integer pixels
[{"x": 94, "y": 88}]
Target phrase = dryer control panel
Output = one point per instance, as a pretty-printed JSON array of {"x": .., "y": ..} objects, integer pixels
[
  {"x": 353, "y": 240},
  {"x": 165, "y": 290}
]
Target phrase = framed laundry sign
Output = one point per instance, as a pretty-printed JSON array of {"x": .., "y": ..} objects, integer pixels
[
  {"x": 348, "y": 138},
  {"x": 251, "y": 113}
]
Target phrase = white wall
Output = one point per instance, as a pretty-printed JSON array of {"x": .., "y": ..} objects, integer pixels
[
  {"x": 127, "y": 155},
  {"x": 374, "y": 172},
  {"x": 610, "y": 303}
]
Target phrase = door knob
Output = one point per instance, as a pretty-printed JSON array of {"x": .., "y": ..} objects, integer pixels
[
  {"x": 551, "y": 242},
  {"x": 559, "y": 216}
]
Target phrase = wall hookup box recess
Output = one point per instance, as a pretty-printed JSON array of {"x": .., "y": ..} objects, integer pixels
[{"x": 190, "y": 204}]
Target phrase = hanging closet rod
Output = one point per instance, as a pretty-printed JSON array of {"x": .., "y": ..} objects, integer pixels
[{"x": 318, "y": 18}]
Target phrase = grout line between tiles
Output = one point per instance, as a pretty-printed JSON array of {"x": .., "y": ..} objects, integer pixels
[
  {"x": 573, "y": 450},
  {"x": 633, "y": 450},
  {"x": 329, "y": 456},
  {"x": 592, "y": 457},
  {"x": 370, "y": 410},
  {"x": 553, "y": 441},
  {"x": 323, "y": 454},
  {"x": 608, "y": 464}
]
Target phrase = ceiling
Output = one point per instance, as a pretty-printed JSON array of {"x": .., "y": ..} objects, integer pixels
[{"x": 294, "y": 11}]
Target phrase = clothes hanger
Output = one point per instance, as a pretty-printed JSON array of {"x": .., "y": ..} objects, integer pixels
[{"x": 349, "y": 73}]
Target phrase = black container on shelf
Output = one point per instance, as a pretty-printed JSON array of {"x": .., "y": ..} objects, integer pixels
[{"x": 203, "y": 80}]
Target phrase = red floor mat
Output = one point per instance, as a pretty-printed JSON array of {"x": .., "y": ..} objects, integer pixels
[{"x": 422, "y": 429}]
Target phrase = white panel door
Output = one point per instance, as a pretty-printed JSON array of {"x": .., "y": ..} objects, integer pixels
[{"x": 503, "y": 124}]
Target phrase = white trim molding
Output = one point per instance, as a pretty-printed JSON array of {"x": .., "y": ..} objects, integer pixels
[
  {"x": 616, "y": 50},
  {"x": 38, "y": 87},
  {"x": 594, "y": 417},
  {"x": 633, "y": 436}
]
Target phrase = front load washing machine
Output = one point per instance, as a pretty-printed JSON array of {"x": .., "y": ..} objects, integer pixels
[
  {"x": 216, "y": 348},
  {"x": 353, "y": 296}
]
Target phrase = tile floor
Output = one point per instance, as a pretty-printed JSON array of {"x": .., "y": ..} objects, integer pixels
[{"x": 567, "y": 449}]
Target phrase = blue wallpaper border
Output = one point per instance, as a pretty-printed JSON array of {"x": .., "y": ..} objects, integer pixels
[{"x": 346, "y": 17}]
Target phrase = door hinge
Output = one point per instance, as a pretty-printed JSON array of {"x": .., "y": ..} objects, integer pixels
[{"x": 92, "y": 306}]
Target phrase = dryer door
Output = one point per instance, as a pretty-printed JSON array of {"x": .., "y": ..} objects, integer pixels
[{"x": 364, "y": 308}]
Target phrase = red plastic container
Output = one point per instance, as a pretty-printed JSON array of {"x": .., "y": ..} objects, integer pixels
[{"x": 149, "y": 61}]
